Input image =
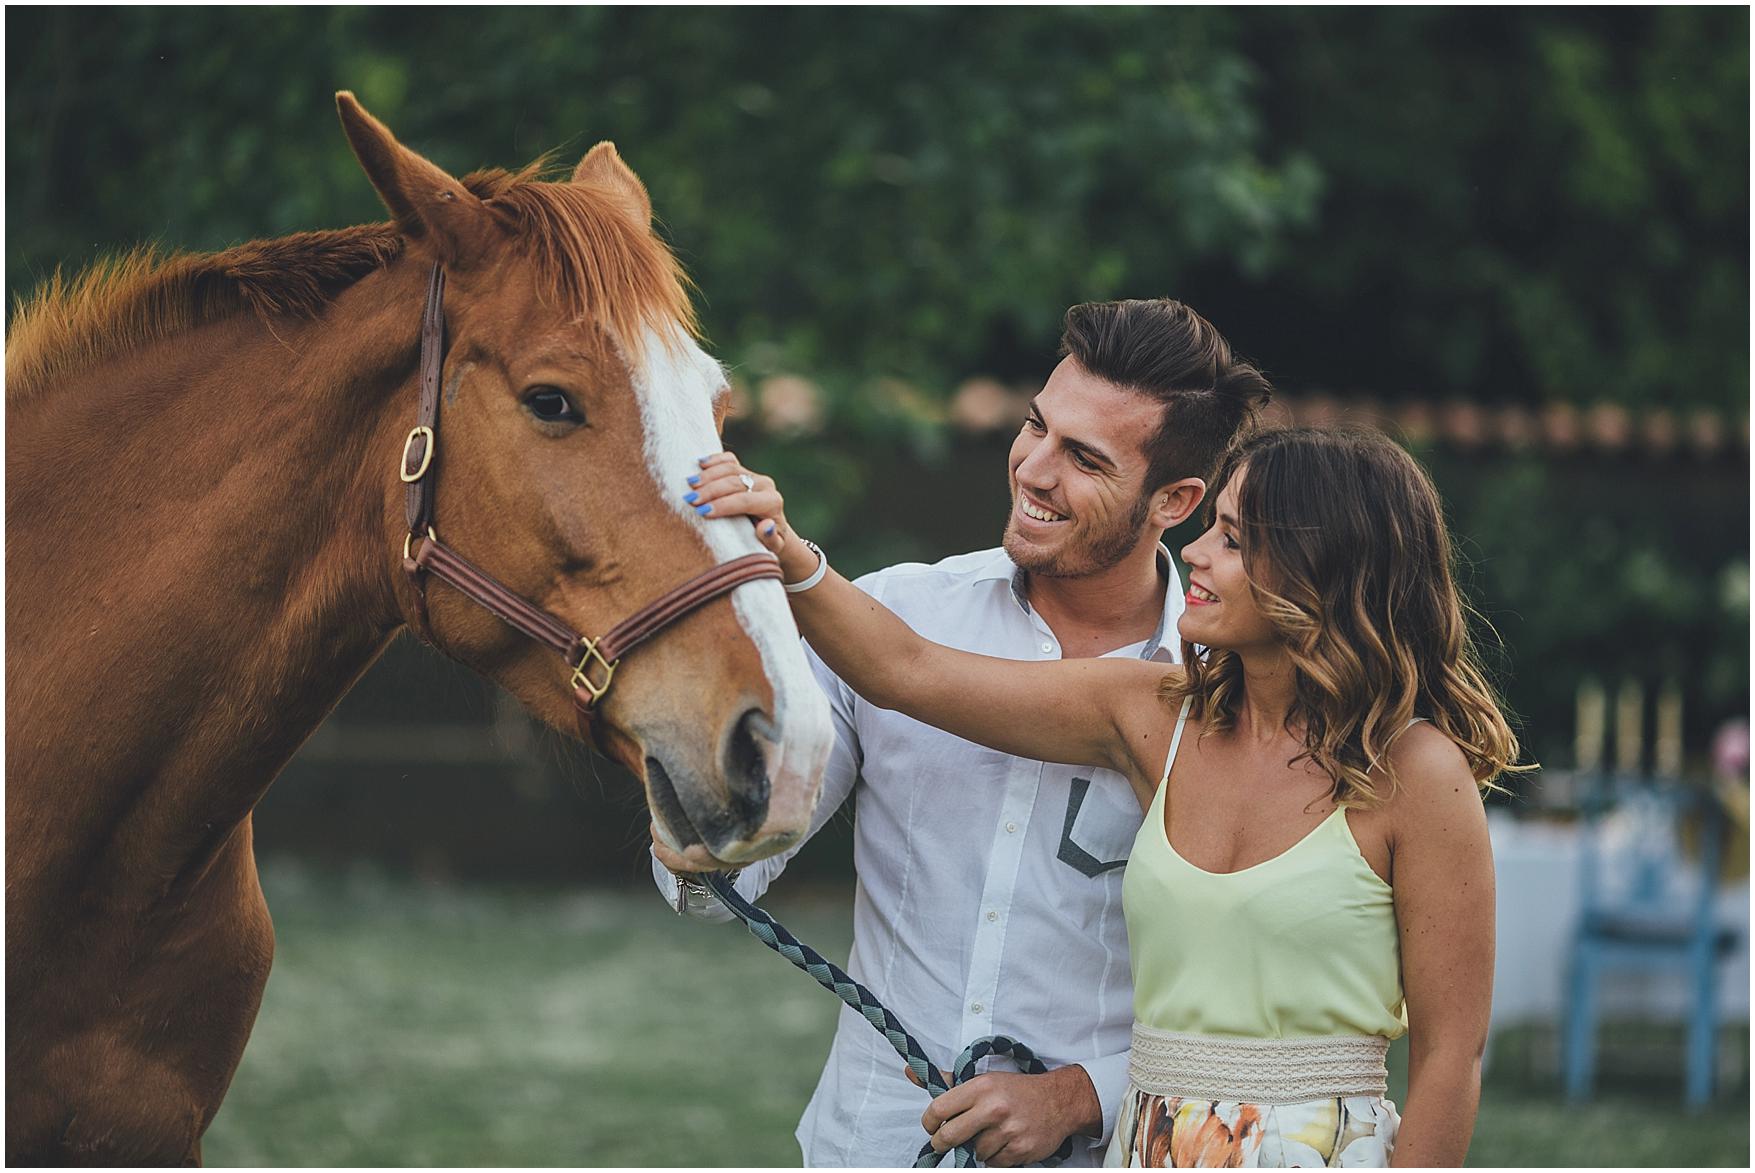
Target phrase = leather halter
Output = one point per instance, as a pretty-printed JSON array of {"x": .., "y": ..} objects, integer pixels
[{"x": 593, "y": 661}]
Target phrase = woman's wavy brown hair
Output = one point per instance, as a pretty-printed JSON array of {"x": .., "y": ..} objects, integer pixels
[{"x": 1348, "y": 557}]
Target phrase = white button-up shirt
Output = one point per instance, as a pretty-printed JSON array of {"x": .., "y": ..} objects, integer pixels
[{"x": 989, "y": 887}]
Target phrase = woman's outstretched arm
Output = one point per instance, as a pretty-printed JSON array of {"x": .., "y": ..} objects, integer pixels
[{"x": 1100, "y": 712}]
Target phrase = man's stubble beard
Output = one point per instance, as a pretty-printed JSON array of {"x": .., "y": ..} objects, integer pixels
[{"x": 1104, "y": 550}]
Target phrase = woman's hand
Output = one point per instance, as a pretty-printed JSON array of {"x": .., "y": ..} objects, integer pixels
[{"x": 725, "y": 488}]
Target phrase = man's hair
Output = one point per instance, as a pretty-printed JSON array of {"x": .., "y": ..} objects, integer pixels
[{"x": 1164, "y": 350}]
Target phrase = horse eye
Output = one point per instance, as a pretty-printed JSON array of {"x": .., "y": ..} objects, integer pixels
[{"x": 551, "y": 405}]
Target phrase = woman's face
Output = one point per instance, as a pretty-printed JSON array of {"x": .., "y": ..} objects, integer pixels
[{"x": 1221, "y": 610}]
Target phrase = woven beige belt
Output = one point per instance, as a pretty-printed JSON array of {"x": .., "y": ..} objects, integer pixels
[{"x": 1257, "y": 1071}]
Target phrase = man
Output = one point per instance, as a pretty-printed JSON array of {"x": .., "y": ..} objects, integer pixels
[{"x": 989, "y": 887}]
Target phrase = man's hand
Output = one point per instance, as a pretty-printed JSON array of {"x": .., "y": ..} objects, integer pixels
[
  {"x": 677, "y": 865},
  {"x": 1015, "y": 1119},
  {"x": 691, "y": 863}
]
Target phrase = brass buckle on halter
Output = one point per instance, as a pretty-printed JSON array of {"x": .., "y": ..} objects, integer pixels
[
  {"x": 408, "y": 542},
  {"x": 419, "y": 431},
  {"x": 582, "y": 671}
]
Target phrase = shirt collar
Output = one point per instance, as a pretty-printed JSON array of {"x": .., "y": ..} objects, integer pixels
[{"x": 1000, "y": 566}]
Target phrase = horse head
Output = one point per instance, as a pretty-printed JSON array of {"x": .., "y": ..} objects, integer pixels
[{"x": 576, "y": 400}]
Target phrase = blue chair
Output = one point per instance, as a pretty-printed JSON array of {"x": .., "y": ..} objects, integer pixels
[{"x": 1637, "y": 918}]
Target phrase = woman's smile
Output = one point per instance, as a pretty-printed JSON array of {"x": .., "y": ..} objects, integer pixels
[{"x": 1199, "y": 596}]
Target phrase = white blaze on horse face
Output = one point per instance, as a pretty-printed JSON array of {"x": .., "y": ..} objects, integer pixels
[{"x": 677, "y": 383}]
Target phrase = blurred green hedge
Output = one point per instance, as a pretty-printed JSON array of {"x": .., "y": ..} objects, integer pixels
[{"x": 1509, "y": 204}]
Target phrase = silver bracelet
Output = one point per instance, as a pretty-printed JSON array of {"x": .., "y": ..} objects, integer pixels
[{"x": 802, "y": 585}]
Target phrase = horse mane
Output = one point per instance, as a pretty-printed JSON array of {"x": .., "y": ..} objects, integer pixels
[{"x": 588, "y": 256}]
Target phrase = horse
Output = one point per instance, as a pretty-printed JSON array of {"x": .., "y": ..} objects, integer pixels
[{"x": 209, "y": 541}]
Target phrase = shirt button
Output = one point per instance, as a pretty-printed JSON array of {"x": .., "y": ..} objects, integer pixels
[
  {"x": 993, "y": 916},
  {"x": 1047, "y": 647},
  {"x": 975, "y": 1008},
  {"x": 1011, "y": 828}
]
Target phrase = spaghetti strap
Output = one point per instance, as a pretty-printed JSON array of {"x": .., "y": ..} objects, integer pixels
[{"x": 1175, "y": 740}]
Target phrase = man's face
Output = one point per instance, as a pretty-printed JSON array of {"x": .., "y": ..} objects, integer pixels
[{"x": 1078, "y": 470}]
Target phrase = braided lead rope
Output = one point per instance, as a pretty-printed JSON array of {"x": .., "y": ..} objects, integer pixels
[{"x": 834, "y": 979}]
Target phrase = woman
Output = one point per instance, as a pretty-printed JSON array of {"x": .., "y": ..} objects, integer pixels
[{"x": 1313, "y": 877}]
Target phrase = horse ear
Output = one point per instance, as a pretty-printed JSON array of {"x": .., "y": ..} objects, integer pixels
[
  {"x": 426, "y": 201},
  {"x": 603, "y": 167}
]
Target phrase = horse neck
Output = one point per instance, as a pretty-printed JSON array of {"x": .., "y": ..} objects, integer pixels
[{"x": 202, "y": 566}]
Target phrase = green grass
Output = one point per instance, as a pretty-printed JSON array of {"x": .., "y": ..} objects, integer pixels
[
  {"x": 416, "y": 1024},
  {"x": 1614, "y": 1131},
  {"x": 406, "y": 1024}
]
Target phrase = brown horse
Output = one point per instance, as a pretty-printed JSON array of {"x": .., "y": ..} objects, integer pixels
[{"x": 205, "y": 541}]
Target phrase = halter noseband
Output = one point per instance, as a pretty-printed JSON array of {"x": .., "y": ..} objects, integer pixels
[{"x": 593, "y": 661}]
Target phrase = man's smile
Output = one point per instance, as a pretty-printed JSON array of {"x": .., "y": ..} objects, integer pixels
[{"x": 1036, "y": 512}]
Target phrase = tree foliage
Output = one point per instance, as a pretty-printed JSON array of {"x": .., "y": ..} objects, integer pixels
[
  {"x": 1531, "y": 204},
  {"x": 1516, "y": 205},
  {"x": 908, "y": 193},
  {"x": 1504, "y": 204}
]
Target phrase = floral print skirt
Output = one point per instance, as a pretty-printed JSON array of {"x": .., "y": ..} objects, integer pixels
[{"x": 1174, "y": 1132}]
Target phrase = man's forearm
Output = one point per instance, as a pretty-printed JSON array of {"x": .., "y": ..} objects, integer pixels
[
  {"x": 1084, "y": 1106},
  {"x": 1108, "y": 1076}
]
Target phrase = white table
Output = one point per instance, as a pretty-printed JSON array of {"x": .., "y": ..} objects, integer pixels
[{"x": 1538, "y": 903}]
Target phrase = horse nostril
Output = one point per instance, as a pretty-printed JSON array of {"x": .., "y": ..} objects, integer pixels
[
  {"x": 668, "y": 806},
  {"x": 746, "y": 767}
]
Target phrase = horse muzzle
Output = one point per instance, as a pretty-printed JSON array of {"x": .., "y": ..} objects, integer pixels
[{"x": 727, "y": 807}]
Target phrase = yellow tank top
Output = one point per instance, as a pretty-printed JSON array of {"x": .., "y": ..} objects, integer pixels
[{"x": 1303, "y": 945}]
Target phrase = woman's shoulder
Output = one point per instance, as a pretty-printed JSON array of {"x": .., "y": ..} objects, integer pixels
[
  {"x": 1425, "y": 747},
  {"x": 1172, "y": 682},
  {"x": 1431, "y": 772}
]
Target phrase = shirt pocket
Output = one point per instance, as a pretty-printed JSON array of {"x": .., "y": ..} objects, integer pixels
[{"x": 1102, "y": 820}]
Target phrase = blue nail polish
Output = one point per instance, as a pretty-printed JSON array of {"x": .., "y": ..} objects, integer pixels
[
  {"x": 705, "y": 458},
  {"x": 694, "y": 480},
  {"x": 691, "y": 498},
  {"x": 770, "y": 530},
  {"x": 704, "y": 510}
]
